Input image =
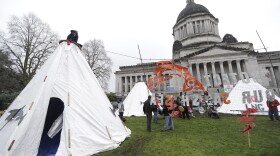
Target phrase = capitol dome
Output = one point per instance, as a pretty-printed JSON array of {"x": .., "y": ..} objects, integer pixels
[
  {"x": 196, "y": 25},
  {"x": 192, "y": 8}
]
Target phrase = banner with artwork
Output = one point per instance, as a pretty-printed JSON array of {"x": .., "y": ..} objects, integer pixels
[
  {"x": 247, "y": 95},
  {"x": 164, "y": 67}
]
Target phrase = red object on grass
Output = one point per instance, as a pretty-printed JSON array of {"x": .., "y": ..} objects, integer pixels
[
  {"x": 247, "y": 119},
  {"x": 248, "y": 128},
  {"x": 250, "y": 111}
]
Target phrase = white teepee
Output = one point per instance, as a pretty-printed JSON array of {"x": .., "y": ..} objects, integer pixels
[
  {"x": 133, "y": 103},
  {"x": 239, "y": 98},
  {"x": 65, "y": 86}
]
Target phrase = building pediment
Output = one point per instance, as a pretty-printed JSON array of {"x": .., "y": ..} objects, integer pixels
[{"x": 219, "y": 50}]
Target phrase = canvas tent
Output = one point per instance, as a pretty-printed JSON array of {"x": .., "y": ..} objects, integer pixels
[
  {"x": 64, "y": 88},
  {"x": 133, "y": 103},
  {"x": 247, "y": 95}
]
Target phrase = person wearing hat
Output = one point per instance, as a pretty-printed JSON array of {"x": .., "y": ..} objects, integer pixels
[{"x": 72, "y": 38}]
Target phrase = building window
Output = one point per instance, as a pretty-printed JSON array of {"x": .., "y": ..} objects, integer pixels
[
  {"x": 186, "y": 31},
  {"x": 188, "y": 26},
  {"x": 194, "y": 29},
  {"x": 182, "y": 32},
  {"x": 178, "y": 34},
  {"x": 202, "y": 26},
  {"x": 198, "y": 26}
]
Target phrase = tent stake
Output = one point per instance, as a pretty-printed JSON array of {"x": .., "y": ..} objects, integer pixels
[
  {"x": 11, "y": 145},
  {"x": 69, "y": 143},
  {"x": 108, "y": 133},
  {"x": 68, "y": 99},
  {"x": 249, "y": 141},
  {"x": 31, "y": 105},
  {"x": 45, "y": 78}
]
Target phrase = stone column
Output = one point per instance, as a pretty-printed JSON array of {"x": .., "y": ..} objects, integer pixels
[
  {"x": 238, "y": 67},
  {"x": 246, "y": 66},
  {"x": 180, "y": 33},
  {"x": 189, "y": 28},
  {"x": 207, "y": 26},
  {"x": 120, "y": 86},
  {"x": 136, "y": 79},
  {"x": 141, "y": 78},
  {"x": 186, "y": 31},
  {"x": 230, "y": 67},
  {"x": 272, "y": 76},
  {"x": 213, "y": 68},
  {"x": 125, "y": 85},
  {"x": 217, "y": 30},
  {"x": 198, "y": 72},
  {"x": 190, "y": 69},
  {"x": 278, "y": 80},
  {"x": 205, "y": 68},
  {"x": 222, "y": 67},
  {"x": 117, "y": 84},
  {"x": 130, "y": 83}
]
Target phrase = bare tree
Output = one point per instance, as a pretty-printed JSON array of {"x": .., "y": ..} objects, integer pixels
[
  {"x": 98, "y": 61},
  {"x": 29, "y": 42}
]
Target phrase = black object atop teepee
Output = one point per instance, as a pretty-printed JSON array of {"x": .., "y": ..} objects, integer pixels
[{"x": 73, "y": 38}]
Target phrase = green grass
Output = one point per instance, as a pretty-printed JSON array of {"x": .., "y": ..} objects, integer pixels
[{"x": 200, "y": 136}]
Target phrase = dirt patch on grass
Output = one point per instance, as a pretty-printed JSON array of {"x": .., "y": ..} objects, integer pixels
[{"x": 135, "y": 147}]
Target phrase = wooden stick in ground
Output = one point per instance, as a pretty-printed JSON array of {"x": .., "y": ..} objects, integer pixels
[{"x": 249, "y": 141}]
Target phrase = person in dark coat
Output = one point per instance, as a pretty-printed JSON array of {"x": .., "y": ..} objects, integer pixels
[
  {"x": 148, "y": 111},
  {"x": 73, "y": 36}
]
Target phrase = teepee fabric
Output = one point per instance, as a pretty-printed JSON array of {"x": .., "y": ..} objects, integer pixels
[
  {"x": 133, "y": 103},
  {"x": 239, "y": 95},
  {"x": 89, "y": 125}
]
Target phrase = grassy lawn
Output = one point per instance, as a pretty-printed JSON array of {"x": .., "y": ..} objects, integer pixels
[{"x": 200, "y": 136}]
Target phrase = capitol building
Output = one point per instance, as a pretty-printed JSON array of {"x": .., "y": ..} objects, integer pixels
[{"x": 208, "y": 56}]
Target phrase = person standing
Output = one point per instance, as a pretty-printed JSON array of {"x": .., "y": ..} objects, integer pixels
[
  {"x": 148, "y": 111},
  {"x": 155, "y": 111},
  {"x": 190, "y": 108},
  {"x": 186, "y": 111},
  {"x": 168, "y": 122},
  {"x": 121, "y": 109},
  {"x": 272, "y": 104}
]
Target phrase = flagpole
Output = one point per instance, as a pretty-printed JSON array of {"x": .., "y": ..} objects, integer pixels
[
  {"x": 142, "y": 62},
  {"x": 272, "y": 70},
  {"x": 143, "y": 69}
]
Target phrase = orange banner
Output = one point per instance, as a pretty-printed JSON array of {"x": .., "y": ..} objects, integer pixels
[{"x": 190, "y": 82}]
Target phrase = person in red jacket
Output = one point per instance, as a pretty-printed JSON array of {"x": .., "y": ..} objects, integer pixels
[{"x": 272, "y": 108}]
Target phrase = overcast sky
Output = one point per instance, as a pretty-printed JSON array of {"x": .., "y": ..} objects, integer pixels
[{"x": 124, "y": 24}]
